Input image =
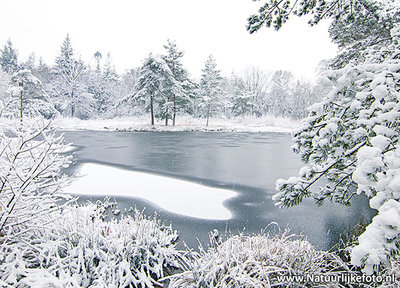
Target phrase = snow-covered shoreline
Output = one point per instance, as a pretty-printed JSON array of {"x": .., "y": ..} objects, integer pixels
[{"x": 187, "y": 123}]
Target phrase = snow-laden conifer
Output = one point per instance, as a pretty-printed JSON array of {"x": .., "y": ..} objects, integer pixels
[
  {"x": 212, "y": 99},
  {"x": 154, "y": 88},
  {"x": 352, "y": 140},
  {"x": 9, "y": 58},
  {"x": 183, "y": 91},
  {"x": 27, "y": 96},
  {"x": 242, "y": 99},
  {"x": 69, "y": 86},
  {"x": 349, "y": 142}
]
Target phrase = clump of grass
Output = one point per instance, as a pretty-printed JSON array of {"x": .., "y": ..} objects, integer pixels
[
  {"x": 258, "y": 261},
  {"x": 349, "y": 239}
]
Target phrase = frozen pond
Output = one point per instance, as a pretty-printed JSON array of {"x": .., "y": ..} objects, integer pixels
[{"x": 197, "y": 173}]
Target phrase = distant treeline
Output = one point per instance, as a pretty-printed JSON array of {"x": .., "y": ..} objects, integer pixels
[{"x": 161, "y": 87}]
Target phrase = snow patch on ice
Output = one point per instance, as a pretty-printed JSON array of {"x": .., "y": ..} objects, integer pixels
[{"x": 174, "y": 195}]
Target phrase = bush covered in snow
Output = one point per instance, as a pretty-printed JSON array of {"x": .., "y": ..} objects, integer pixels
[
  {"x": 257, "y": 261},
  {"x": 84, "y": 250}
]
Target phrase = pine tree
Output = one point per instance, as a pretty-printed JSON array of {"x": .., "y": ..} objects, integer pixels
[
  {"x": 105, "y": 86},
  {"x": 211, "y": 94},
  {"x": 27, "y": 96},
  {"x": 351, "y": 139},
  {"x": 65, "y": 60},
  {"x": 30, "y": 63},
  {"x": 180, "y": 93},
  {"x": 126, "y": 87},
  {"x": 358, "y": 31},
  {"x": 71, "y": 83},
  {"x": 9, "y": 58},
  {"x": 153, "y": 88}
]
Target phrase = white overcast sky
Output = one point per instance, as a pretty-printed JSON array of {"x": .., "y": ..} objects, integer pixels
[{"x": 131, "y": 29}]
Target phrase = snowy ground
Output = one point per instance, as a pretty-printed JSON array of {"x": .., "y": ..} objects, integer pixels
[
  {"x": 186, "y": 123},
  {"x": 177, "y": 196}
]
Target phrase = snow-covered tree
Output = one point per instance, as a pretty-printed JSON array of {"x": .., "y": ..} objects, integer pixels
[
  {"x": 9, "y": 58},
  {"x": 256, "y": 81},
  {"x": 43, "y": 72},
  {"x": 212, "y": 99},
  {"x": 302, "y": 94},
  {"x": 30, "y": 63},
  {"x": 4, "y": 82},
  {"x": 359, "y": 30},
  {"x": 279, "y": 93},
  {"x": 27, "y": 96},
  {"x": 110, "y": 87},
  {"x": 154, "y": 88},
  {"x": 181, "y": 92},
  {"x": 241, "y": 98},
  {"x": 31, "y": 160},
  {"x": 70, "y": 84},
  {"x": 126, "y": 89},
  {"x": 351, "y": 138},
  {"x": 103, "y": 84}
]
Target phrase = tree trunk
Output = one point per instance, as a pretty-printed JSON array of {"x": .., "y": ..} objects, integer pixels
[
  {"x": 151, "y": 110},
  {"x": 72, "y": 104},
  {"x": 173, "y": 117},
  {"x": 174, "y": 111},
  {"x": 21, "y": 112},
  {"x": 208, "y": 114},
  {"x": 166, "y": 113}
]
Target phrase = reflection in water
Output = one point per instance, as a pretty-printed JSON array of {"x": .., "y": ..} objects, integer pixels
[{"x": 248, "y": 163}]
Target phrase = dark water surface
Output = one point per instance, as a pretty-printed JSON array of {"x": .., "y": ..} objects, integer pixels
[{"x": 248, "y": 163}]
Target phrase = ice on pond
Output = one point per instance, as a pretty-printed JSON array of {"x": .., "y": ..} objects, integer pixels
[{"x": 174, "y": 195}]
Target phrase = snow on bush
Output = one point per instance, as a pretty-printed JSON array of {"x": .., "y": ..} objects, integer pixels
[
  {"x": 87, "y": 251},
  {"x": 257, "y": 261},
  {"x": 82, "y": 249}
]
